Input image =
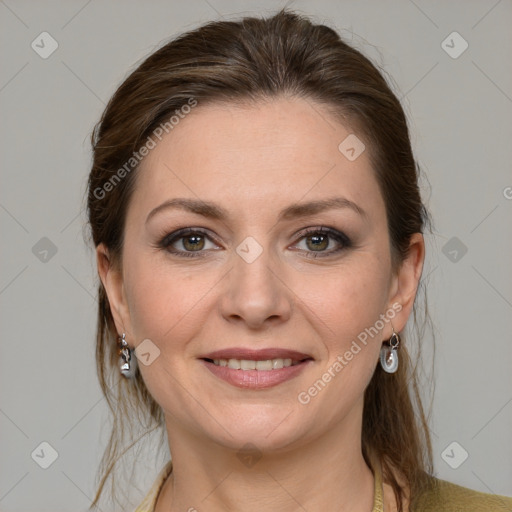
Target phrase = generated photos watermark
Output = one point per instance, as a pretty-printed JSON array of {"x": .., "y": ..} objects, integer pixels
[
  {"x": 344, "y": 359},
  {"x": 151, "y": 142}
]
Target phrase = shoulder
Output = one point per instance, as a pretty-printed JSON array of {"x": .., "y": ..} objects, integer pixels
[{"x": 443, "y": 496}]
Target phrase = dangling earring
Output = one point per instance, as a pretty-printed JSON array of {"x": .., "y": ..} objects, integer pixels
[
  {"x": 389, "y": 353},
  {"x": 128, "y": 364}
]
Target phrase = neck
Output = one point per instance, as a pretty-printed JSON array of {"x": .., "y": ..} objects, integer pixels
[{"x": 325, "y": 474}]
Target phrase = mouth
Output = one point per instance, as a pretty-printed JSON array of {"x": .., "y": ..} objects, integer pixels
[
  {"x": 249, "y": 364},
  {"x": 256, "y": 369}
]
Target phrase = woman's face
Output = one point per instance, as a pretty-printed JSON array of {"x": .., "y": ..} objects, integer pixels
[{"x": 249, "y": 283}]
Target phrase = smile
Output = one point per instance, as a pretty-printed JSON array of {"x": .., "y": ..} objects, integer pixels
[
  {"x": 261, "y": 365},
  {"x": 255, "y": 374}
]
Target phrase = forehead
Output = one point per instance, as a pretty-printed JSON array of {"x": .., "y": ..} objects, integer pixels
[{"x": 255, "y": 157}]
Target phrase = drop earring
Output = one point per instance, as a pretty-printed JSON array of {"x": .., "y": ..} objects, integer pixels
[
  {"x": 389, "y": 353},
  {"x": 127, "y": 363}
]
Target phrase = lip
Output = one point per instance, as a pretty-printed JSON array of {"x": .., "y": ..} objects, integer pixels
[
  {"x": 257, "y": 355},
  {"x": 256, "y": 379}
]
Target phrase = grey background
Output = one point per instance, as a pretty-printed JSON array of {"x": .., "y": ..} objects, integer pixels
[{"x": 460, "y": 111}]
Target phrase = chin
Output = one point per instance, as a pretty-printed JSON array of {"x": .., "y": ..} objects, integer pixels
[{"x": 273, "y": 430}]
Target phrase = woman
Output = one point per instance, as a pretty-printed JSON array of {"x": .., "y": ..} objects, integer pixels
[{"x": 254, "y": 205}]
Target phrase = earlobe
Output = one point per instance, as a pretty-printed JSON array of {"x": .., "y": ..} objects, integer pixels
[
  {"x": 112, "y": 281},
  {"x": 407, "y": 280}
]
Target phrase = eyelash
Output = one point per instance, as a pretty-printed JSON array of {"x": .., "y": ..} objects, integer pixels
[{"x": 171, "y": 238}]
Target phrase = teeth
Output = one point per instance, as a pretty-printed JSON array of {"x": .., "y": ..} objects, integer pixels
[
  {"x": 277, "y": 363},
  {"x": 263, "y": 365},
  {"x": 235, "y": 364},
  {"x": 247, "y": 364}
]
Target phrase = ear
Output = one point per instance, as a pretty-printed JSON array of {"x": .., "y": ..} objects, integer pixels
[
  {"x": 112, "y": 280},
  {"x": 405, "y": 282}
]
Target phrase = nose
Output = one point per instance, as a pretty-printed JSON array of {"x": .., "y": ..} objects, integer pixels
[{"x": 256, "y": 293}]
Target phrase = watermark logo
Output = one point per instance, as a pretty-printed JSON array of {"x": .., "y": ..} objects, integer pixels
[
  {"x": 44, "y": 455},
  {"x": 454, "y": 250},
  {"x": 147, "y": 352},
  {"x": 352, "y": 147},
  {"x": 44, "y": 45},
  {"x": 44, "y": 250},
  {"x": 454, "y": 45},
  {"x": 249, "y": 455},
  {"x": 249, "y": 249},
  {"x": 454, "y": 455}
]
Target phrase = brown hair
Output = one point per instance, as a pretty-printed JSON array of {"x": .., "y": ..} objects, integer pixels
[{"x": 250, "y": 60}]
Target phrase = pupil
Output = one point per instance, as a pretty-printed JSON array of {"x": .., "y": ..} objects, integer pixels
[
  {"x": 318, "y": 238},
  {"x": 195, "y": 244}
]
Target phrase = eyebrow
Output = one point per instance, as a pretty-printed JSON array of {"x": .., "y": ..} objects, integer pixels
[{"x": 214, "y": 211}]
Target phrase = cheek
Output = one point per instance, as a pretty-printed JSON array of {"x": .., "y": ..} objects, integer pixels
[
  {"x": 349, "y": 299},
  {"x": 351, "y": 303},
  {"x": 349, "y": 307},
  {"x": 161, "y": 299}
]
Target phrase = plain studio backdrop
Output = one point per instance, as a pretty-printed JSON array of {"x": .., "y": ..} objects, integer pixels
[{"x": 451, "y": 66}]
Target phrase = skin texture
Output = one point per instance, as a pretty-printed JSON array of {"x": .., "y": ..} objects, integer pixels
[{"x": 255, "y": 160}]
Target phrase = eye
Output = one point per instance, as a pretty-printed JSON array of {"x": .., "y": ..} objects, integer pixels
[
  {"x": 317, "y": 240},
  {"x": 193, "y": 242},
  {"x": 187, "y": 242}
]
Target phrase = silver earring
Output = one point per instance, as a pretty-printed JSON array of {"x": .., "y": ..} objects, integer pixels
[
  {"x": 389, "y": 354},
  {"x": 127, "y": 363}
]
